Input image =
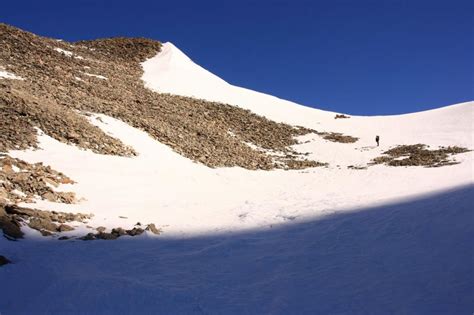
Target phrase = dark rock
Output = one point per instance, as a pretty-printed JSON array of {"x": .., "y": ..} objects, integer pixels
[
  {"x": 101, "y": 229},
  {"x": 119, "y": 231},
  {"x": 11, "y": 227},
  {"x": 13, "y": 209},
  {"x": 135, "y": 231},
  {"x": 4, "y": 260},
  {"x": 62, "y": 238},
  {"x": 88, "y": 237},
  {"x": 107, "y": 236}
]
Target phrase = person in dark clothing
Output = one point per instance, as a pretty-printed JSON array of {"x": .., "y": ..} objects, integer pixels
[{"x": 377, "y": 139}]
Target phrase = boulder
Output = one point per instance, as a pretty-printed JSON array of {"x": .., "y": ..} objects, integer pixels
[
  {"x": 106, "y": 236},
  {"x": 41, "y": 224},
  {"x": 65, "y": 228},
  {"x": 4, "y": 260},
  {"x": 119, "y": 231},
  {"x": 88, "y": 237},
  {"x": 135, "y": 231},
  {"x": 153, "y": 229},
  {"x": 11, "y": 227}
]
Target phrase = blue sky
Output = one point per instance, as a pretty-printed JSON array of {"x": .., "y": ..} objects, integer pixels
[{"x": 359, "y": 57}]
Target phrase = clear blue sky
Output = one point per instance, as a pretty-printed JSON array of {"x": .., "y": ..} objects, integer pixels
[{"x": 359, "y": 57}]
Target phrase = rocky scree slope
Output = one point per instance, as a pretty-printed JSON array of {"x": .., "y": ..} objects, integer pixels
[{"x": 63, "y": 82}]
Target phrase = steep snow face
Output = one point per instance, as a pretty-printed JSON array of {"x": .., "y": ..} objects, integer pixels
[{"x": 171, "y": 71}]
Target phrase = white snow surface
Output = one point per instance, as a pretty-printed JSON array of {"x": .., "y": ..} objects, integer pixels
[
  {"x": 98, "y": 76},
  {"x": 8, "y": 75},
  {"x": 63, "y": 51},
  {"x": 318, "y": 241}
]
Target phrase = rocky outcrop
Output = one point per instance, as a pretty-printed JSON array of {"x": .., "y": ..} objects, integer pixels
[
  {"x": 337, "y": 137},
  {"x": 46, "y": 222},
  {"x": 118, "y": 232},
  {"x": 23, "y": 182},
  {"x": 10, "y": 226},
  {"x": 50, "y": 223},
  {"x": 419, "y": 155}
]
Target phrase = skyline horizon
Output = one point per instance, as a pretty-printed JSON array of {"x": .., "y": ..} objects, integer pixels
[{"x": 370, "y": 59}]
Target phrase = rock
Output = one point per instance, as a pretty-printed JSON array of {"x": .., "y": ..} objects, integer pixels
[
  {"x": 88, "y": 237},
  {"x": 49, "y": 196},
  {"x": 3, "y": 213},
  {"x": 3, "y": 193},
  {"x": 11, "y": 227},
  {"x": 45, "y": 233},
  {"x": 119, "y": 231},
  {"x": 62, "y": 238},
  {"x": 66, "y": 180},
  {"x": 152, "y": 228},
  {"x": 50, "y": 181},
  {"x": 7, "y": 168},
  {"x": 107, "y": 236},
  {"x": 13, "y": 209},
  {"x": 4, "y": 260},
  {"x": 101, "y": 229},
  {"x": 67, "y": 197},
  {"x": 42, "y": 224},
  {"x": 135, "y": 231},
  {"x": 65, "y": 228}
]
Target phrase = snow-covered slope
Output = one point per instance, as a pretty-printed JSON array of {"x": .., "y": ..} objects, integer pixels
[
  {"x": 171, "y": 71},
  {"x": 335, "y": 255},
  {"x": 164, "y": 187}
]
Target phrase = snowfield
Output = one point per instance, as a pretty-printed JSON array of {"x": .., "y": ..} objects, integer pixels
[{"x": 328, "y": 240}]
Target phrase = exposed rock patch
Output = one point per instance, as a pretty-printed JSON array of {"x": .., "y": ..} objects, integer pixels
[
  {"x": 337, "y": 137},
  {"x": 21, "y": 111},
  {"x": 46, "y": 222},
  {"x": 22, "y": 182},
  {"x": 118, "y": 232},
  {"x": 419, "y": 155},
  {"x": 341, "y": 116},
  {"x": 50, "y": 223},
  {"x": 10, "y": 226}
]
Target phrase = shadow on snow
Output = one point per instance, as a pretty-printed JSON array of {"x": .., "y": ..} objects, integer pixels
[{"x": 414, "y": 257}]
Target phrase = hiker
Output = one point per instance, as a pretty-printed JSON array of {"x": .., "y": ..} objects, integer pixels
[{"x": 377, "y": 139}]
